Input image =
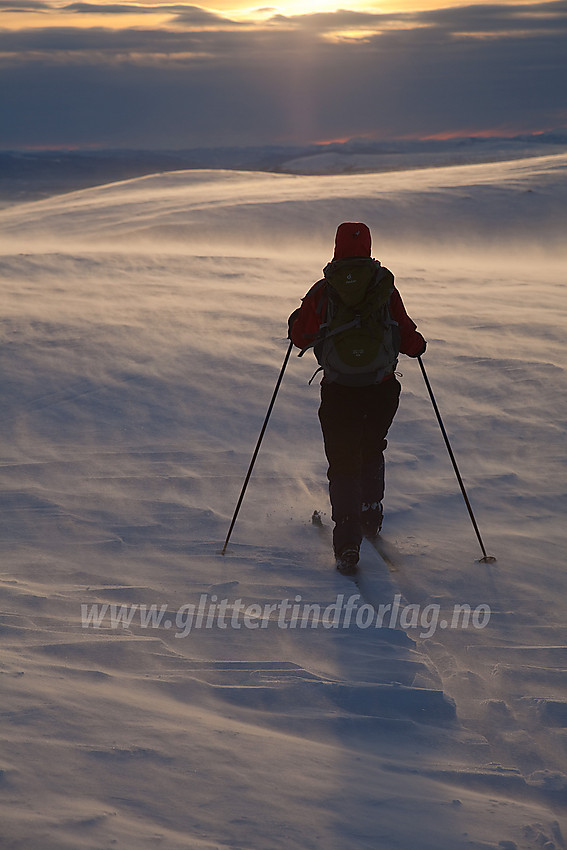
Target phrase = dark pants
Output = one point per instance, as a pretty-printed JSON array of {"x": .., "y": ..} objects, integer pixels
[{"x": 355, "y": 421}]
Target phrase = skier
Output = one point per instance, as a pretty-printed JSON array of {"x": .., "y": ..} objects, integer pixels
[{"x": 356, "y": 321}]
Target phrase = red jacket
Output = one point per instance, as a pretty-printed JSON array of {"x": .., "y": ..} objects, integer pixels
[{"x": 305, "y": 322}]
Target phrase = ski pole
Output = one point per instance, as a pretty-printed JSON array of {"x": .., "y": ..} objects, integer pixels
[
  {"x": 485, "y": 558},
  {"x": 257, "y": 449}
]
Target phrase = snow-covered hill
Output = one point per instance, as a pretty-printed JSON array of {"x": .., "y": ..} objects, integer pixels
[
  {"x": 343, "y": 159},
  {"x": 261, "y": 702}
]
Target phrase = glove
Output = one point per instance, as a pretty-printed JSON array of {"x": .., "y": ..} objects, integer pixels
[
  {"x": 291, "y": 320},
  {"x": 421, "y": 349}
]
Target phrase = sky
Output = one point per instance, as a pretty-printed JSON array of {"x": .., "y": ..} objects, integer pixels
[{"x": 150, "y": 75}]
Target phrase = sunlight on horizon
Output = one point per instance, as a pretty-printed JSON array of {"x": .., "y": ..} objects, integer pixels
[
  {"x": 156, "y": 14},
  {"x": 306, "y": 7}
]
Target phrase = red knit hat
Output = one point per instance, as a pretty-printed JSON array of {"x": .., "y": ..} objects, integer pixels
[{"x": 352, "y": 240}]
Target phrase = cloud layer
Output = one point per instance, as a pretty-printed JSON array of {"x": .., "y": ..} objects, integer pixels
[{"x": 173, "y": 76}]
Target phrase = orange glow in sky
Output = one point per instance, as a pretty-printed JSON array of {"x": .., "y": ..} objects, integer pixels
[
  {"x": 163, "y": 15},
  {"x": 298, "y": 7},
  {"x": 493, "y": 132}
]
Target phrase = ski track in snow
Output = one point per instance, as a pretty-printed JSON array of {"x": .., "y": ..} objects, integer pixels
[{"x": 142, "y": 328}]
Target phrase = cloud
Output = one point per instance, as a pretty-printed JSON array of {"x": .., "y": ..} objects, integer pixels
[
  {"x": 205, "y": 79},
  {"x": 22, "y": 6},
  {"x": 191, "y": 15},
  {"x": 497, "y": 21}
]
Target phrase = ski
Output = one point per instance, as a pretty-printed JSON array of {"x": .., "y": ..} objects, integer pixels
[{"x": 383, "y": 550}]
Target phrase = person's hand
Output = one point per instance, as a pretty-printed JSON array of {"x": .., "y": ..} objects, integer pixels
[
  {"x": 419, "y": 350},
  {"x": 291, "y": 321}
]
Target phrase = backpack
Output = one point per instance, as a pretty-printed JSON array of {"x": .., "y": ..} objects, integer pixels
[{"x": 358, "y": 342}]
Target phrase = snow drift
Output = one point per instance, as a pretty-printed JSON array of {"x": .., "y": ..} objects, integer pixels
[{"x": 156, "y": 694}]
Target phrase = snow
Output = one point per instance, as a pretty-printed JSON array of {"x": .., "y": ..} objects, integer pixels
[
  {"x": 422, "y": 154},
  {"x": 143, "y": 327}
]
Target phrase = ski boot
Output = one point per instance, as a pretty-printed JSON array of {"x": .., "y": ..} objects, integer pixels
[{"x": 347, "y": 561}]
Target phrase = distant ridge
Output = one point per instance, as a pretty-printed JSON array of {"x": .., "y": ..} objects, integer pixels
[{"x": 32, "y": 175}]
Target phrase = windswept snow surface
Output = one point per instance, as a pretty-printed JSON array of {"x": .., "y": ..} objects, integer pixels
[{"x": 264, "y": 701}]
